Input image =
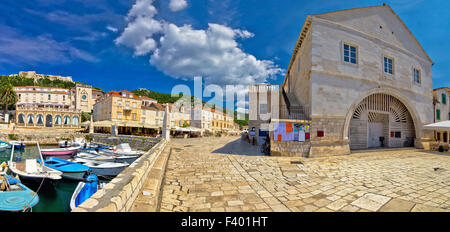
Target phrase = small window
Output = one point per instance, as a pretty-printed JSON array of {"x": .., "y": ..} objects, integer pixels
[
  {"x": 320, "y": 133},
  {"x": 398, "y": 134},
  {"x": 438, "y": 114},
  {"x": 49, "y": 97},
  {"x": 263, "y": 108},
  {"x": 416, "y": 76},
  {"x": 350, "y": 53},
  {"x": 388, "y": 65},
  {"x": 444, "y": 98},
  {"x": 119, "y": 116}
]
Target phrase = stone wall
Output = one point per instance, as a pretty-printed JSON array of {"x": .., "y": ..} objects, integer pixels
[
  {"x": 136, "y": 142},
  {"x": 120, "y": 194},
  {"x": 44, "y": 138},
  {"x": 289, "y": 148}
]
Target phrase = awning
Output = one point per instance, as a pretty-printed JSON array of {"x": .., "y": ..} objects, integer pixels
[
  {"x": 122, "y": 124},
  {"x": 444, "y": 125}
]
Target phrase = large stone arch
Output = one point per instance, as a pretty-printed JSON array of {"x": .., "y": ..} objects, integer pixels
[{"x": 388, "y": 91}]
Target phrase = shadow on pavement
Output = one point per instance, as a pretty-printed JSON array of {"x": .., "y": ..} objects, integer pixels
[{"x": 240, "y": 147}]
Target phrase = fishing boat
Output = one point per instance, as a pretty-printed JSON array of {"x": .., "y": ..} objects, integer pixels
[
  {"x": 106, "y": 169},
  {"x": 123, "y": 149},
  {"x": 63, "y": 153},
  {"x": 94, "y": 156},
  {"x": 15, "y": 196},
  {"x": 70, "y": 170},
  {"x": 84, "y": 190},
  {"x": 33, "y": 172},
  {"x": 64, "y": 144},
  {"x": 18, "y": 145}
]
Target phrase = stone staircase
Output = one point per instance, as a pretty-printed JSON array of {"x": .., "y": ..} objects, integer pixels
[{"x": 295, "y": 110}]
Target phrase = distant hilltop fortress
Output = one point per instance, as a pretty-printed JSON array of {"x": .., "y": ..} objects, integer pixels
[{"x": 35, "y": 76}]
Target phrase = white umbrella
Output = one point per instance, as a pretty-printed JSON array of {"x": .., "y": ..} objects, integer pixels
[{"x": 444, "y": 125}]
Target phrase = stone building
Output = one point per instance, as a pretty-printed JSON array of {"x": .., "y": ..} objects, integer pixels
[
  {"x": 45, "y": 107},
  {"x": 361, "y": 79},
  {"x": 36, "y": 77},
  {"x": 82, "y": 97},
  {"x": 441, "y": 110}
]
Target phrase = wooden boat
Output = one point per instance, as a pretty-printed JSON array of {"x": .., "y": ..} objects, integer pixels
[
  {"x": 33, "y": 172},
  {"x": 17, "y": 144},
  {"x": 99, "y": 168},
  {"x": 94, "y": 156},
  {"x": 70, "y": 170},
  {"x": 63, "y": 153},
  {"x": 15, "y": 196},
  {"x": 84, "y": 190}
]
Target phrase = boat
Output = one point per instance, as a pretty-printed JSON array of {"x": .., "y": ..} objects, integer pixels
[
  {"x": 64, "y": 144},
  {"x": 64, "y": 153},
  {"x": 33, "y": 172},
  {"x": 3, "y": 146},
  {"x": 94, "y": 156},
  {"x": 99, "y": 168},
  {"x": 84, "y": 190},
  {"x": 70, "y": 170},
  {"x": 18, "y": 145},
  {"x": 123, "y": 149},
  {"x": 15, "y": 196}
]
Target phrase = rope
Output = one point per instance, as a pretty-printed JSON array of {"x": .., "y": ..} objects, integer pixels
[{"x": 35, "y": 193}]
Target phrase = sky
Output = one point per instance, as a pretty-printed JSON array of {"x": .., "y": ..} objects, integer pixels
[{"x": 157, "y": 44}]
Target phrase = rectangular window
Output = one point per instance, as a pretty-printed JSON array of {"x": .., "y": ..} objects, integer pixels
[
  {"x": 119, "y": 103},
  {"x": 350, "y": 53},
  {"x": 49, "y": 97},
  {"x": 398, "y": 134},
  {"x": 417, "y": 76},
  {"x": 388, "y": 65},
  {"x": 119, "y": 116},
  {"x": 263, "y": 108},
  {"x": 444, "y": 98},
  {"x": 438, "y": 114},
  {"x": 134, "y": 117}
]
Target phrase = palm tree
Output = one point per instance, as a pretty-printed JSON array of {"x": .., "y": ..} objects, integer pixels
[{"x": 7, "y": 96}]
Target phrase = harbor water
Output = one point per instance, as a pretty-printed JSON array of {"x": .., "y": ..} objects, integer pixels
[{"x": 55, "y": 198}]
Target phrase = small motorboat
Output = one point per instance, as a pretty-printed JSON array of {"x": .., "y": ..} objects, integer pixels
[
  {"x": 123, "y": 149},
  {"x": 99, "y": 168},
  {"x": 17, "y": 145},
  {"x": 85, "y": 189},
  {"x": 70, "y": 170},
  {"x": 94, "y": 156},
  {"x": 33, "y": 172},
  {"x": 15, "y": 196},
  {"x": 63, "y": 153},
  {"x": 64, "y": 144}
]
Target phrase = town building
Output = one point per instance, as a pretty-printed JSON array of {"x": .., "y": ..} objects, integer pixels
[
  {"x": 357, "y": 79},
  {"x": 46, "y": 107},
  {"x": 441, "y": 111},
  {"x": 153, "y": 114},
  {"x": 201, "y": 117}
]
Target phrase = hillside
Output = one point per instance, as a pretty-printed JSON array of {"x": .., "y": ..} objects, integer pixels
[{"x": 23, "y": 81}]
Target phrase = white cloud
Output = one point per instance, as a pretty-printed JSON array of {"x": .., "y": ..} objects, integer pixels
[
  {"x": 184, "y": 52},
  {"x": 111, "y": 28},
  {"x": 177, "y": 5}
]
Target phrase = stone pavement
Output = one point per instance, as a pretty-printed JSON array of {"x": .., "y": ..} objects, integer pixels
[{"x": 214, "y": 174}]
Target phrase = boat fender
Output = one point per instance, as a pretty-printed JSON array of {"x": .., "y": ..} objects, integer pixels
[{"x": 3, "y": 165}]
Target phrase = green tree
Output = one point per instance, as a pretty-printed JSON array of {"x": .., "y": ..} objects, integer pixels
[{"x": 7, "y": 96}]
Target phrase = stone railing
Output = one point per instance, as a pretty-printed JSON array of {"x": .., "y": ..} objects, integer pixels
[{"x": 120, "y": 194}]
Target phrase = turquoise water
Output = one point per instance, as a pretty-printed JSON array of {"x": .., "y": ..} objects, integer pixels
[{"x": 53, "y": 199}]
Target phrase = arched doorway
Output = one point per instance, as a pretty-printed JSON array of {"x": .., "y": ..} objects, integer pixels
[
  {"x": 49, "y": 120},
  {"x": 381, "y": 120}
]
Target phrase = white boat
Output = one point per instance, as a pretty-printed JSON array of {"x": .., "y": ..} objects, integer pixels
[
  {"x": 64, "y": 144},
  {"x": 4, "y": 146},
  {"x": 94, "y": 156},
  {"x": 102, "y": 168},
  {"x": 33, "y": 172},
  {"x": 123, "y": 149}
]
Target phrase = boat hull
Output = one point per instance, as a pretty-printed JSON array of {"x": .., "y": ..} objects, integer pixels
[
  {"x": 59, "y": 154},
  {"x": 18, "y": 201},
  {"x": 73, "y": 175},
  {"x": 107, "y": 171}
]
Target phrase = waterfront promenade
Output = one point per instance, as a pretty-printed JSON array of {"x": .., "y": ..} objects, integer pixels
[{"x": 226, "y": 174}]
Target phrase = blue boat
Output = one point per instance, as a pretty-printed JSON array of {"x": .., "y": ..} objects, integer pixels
[
  {"x": 84, "y": 191},
  {"x": 18, "y": 145},
  {"x": 14, "y": 196},
  {"x": 70, "y": 170}
]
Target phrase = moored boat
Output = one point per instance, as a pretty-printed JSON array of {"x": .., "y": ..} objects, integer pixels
[
  {"x": 70, "y": 170},
  {"x": 84, "y": 190},
  {"x": 33, "y": 173},
  {"x": 15, "y": 196},
  {"x": 106, "y": 169},
  {"x": 3, "y": 146},
  {"x": 123, "y": 149},
  {"x": 17, "y": 144},
  {"x": 64, "y": 144},
  {"x": 63, "y": 153}
]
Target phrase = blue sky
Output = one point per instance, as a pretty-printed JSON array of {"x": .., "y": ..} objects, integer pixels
[{"x": 80, "y": 38}]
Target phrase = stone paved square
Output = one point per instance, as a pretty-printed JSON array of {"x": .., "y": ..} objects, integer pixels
[{"x": 228, "y": 174}]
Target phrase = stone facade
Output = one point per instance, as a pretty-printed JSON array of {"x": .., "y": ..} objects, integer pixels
[
  {"x": 35, "y": 76},
  {"x": 328, "y": 86}
]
